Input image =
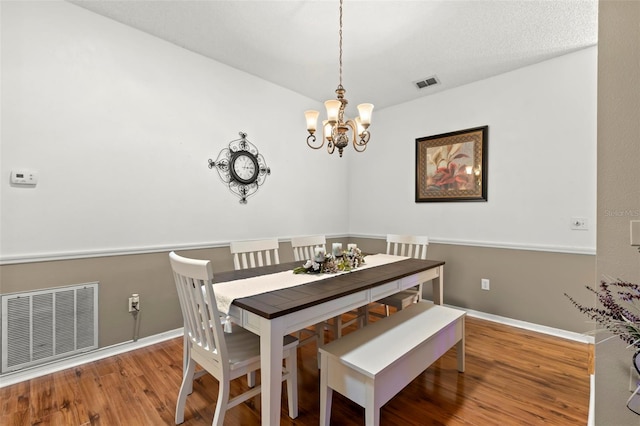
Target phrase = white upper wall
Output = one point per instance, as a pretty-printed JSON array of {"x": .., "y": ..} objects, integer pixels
[
  {"x": 120, "y": 125},
  {"x": 542, "y": 161}
]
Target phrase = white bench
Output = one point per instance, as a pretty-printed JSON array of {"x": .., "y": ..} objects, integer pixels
[{"x": 371, "y": 365}]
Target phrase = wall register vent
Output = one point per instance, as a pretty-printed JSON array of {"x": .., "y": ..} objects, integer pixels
[{"x": 46, "y": 325}]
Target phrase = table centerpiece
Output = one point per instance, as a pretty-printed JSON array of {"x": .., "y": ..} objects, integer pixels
[{"x": 328, "y": 263}]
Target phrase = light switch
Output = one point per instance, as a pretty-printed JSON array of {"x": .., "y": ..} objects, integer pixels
[
  {"x": 24, "y": 177},
  {"x": 635, "y": 232}
]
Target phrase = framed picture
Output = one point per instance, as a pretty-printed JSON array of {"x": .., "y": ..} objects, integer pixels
[{"x": 452, "y": 166}]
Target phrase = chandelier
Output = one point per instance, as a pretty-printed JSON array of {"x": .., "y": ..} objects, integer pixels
[{"x": 336, "y": 129}]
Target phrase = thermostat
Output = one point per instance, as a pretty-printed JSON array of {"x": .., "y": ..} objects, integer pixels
[{"x": 24, "y": 177}]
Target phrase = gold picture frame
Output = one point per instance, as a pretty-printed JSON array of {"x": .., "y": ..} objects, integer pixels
[{"x": 452, "y": 166}]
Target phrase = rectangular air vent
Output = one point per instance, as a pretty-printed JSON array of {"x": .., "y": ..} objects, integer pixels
[
  {"x": 45, "y": 325},
  {"x": 429, "y": 81}
]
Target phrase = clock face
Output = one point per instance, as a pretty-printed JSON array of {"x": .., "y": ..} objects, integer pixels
[{"x": 244, "y": 167}]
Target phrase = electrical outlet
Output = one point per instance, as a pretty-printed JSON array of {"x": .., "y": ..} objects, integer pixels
[
  {"x": 484, "y": 284},
  {"x": 134, "y": 303}
]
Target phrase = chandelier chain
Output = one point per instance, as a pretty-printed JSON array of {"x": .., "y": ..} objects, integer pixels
[{"x": 340, "y": 58}]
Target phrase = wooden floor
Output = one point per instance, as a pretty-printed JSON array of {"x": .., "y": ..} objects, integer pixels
[{"x": 512, "y": 377}]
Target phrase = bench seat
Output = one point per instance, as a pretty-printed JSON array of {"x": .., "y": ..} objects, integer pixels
[{"x": 371, "y": 365}]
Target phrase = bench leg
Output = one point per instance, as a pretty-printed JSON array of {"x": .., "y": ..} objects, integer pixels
[
  {"x": 371, "y": 411},
  {"x": 460, "y": 350},
  {"x": 326, "y": 393}
]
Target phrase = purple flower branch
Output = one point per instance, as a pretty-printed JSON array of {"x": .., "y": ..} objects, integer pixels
[{"x": 618, "y": 312}]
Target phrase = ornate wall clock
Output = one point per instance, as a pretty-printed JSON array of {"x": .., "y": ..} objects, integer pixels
[{"x": 241, "y": 167}]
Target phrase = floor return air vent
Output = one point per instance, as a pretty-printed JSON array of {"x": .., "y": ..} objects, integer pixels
[{"x": 46, "y": 325}]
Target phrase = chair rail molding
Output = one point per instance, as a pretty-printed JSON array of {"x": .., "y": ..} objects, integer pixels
[
  {"x": 69, "y": 255},
  {"x": 496, "y": 244}
]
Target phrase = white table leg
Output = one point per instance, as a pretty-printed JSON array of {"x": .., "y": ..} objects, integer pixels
[
  {"x": 437, "y": 283},
  {"x": 326, "y": 393},
  {"x": 319, "y": 327},
  {"x": 271, "y": 333},
  {"x": 292, "y": 382}
]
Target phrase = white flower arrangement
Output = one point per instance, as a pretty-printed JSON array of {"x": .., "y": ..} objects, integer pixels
[{"x": 326, "y": 263}]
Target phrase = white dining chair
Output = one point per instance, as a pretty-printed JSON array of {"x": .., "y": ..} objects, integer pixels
[
  {"x": 409, "y": 246},
  {"x": 304, "y": 247},
  {"x": 303, "y": 250},
  {"x": 251, "y": 254},
  {"x": 226, "y": 356}
]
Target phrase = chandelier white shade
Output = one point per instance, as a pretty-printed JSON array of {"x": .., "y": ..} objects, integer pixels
[{"x": 337, "y": 130}]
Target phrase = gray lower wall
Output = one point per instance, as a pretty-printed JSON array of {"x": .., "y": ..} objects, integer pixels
[
  {"x": 525, "y": 285},
  {"x": 618, "y": 189}
]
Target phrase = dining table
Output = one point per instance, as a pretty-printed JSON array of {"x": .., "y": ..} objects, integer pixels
[{"x": 272, "y": 301}]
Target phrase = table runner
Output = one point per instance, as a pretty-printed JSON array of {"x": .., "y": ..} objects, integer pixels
[{"x": 227, "y": 292}]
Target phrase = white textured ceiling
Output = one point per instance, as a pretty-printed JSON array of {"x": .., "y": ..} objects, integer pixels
[{"x": 387, "y": 45}]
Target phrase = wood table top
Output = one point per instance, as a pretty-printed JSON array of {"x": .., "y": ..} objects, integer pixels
[{"x": 281, "y": 302}]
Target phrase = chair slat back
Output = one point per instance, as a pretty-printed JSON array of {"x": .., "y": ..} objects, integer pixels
[
  {"x": 193, "y": 279},
  {"x": 407, "y": 245},
  {"x": 250, "y": 254},
  {"x": 304, "y": 247}
]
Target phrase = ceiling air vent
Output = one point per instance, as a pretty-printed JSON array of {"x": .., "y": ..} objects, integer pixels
[{"x": 429, "y": 81}]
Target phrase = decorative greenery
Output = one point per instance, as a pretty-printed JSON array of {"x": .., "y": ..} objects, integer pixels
[
  {"x": 620, "y": 312},
  {"x": 326, "y": 263}
]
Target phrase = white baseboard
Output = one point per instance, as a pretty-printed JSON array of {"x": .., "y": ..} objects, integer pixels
[
  {"x": 569, "y": 335},
  {"x": 31, "y": 373},
  {"x": 52, "y": 367}
]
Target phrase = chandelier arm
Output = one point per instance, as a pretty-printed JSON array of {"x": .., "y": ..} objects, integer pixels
[
  {"x": 364, "y": 139},
  {"x": 358, "y": 147},
  {"x": 354, "y": 128},
  {"x": 331, "y": 147},
  {"x": 311, "y": 139}
]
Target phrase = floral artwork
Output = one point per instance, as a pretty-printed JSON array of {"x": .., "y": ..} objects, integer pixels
[
  {"x": 452, "y": 166},
  {"x": 449, "y": 166}
]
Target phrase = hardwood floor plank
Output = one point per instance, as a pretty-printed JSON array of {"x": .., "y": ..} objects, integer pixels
[
  {"x": 92, "y": 393},
  {"x": 41, "y": 400},
  {"x": 69, "y": 407},
  {"x": 512, "y": 376}
]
